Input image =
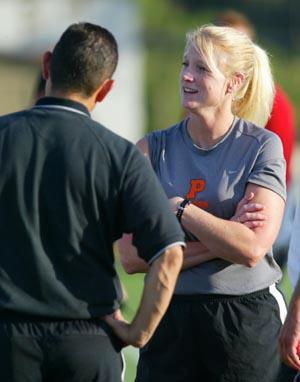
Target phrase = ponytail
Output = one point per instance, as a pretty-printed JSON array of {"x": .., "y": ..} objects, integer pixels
[{"x": 256, "y": 103}]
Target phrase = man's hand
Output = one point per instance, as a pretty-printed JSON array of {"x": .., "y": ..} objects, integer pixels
[
  {"x": 120, "y": 327},
  {"x": 158, "y": 289},
  {"x": 248, "y": 213}
]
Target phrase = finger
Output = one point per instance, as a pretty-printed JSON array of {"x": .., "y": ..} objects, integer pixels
[
  {"x": 118, "y": 315},
  {"x": 119, "y": 327},
  {"x": 286, "y": 356},
  {"x": 254, "y": 224},
  {"x": 291, "y": 360},
  {"x": 246, "y": 199},
  {"x": 252, "y": 207},
  {"x": 109, "y": 320},
  {"x": 250, "y": 216},
  {"x": 295, "y": 354},
  {"x": 250, "y": 196},
  {"x": 288, "y": 350}
]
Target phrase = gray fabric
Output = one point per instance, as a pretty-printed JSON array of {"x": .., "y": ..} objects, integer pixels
[{"x": 246, "y": 154}]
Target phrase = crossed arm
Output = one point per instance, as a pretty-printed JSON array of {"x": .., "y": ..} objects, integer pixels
[
  {"x": 244, "y": 239},
  {"x": 248, "y": 213},
  {"x": 238, "y": 243}
]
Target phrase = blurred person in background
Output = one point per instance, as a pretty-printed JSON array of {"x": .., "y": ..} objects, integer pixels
[
  {"x": 224, "y": 319},
  {"x": 294, "y": 248},
  {"x": 69, "y": 188},
  {"x": 290, "y": 333},
  {"x": 282, "y": 122},
  {"x": 289, "y": 339}
]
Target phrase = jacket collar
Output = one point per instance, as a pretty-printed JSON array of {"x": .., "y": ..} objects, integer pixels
[{"x": 62, "y": 103}]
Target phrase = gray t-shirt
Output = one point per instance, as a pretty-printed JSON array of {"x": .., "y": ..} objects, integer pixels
[{"x": 216, "y": 180}]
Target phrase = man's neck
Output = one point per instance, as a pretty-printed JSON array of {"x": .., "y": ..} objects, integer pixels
[{"x": 89, "y": 103}]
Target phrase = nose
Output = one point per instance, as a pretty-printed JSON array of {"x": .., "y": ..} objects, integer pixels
[{"x": 187, "y": 76}]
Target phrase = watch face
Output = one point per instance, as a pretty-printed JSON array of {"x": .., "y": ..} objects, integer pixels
[{"x": 185, "y": 202}]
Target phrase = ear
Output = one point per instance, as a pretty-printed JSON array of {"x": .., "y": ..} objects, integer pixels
[
  {"x": 46, "y": 65},
  {"x": 104, "y": 90},
  {"x": 238, "y": 80},
  {"x": 235, "y": 82}
]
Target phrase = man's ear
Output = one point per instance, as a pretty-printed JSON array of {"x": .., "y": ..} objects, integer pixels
[
  {"x": 46, "y": 65},
  {"x": 104, "y": 90}
]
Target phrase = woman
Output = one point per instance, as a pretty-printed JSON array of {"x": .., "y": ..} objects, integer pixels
[{"x": 224, "y": 319}]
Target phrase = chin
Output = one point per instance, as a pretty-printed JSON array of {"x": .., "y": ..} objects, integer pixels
[{"x": 189, "y": 106}]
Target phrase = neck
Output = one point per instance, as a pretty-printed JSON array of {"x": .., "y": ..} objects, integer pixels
[
  {"x": 89, "y": 102},
  {"x": 207, "y": 131}
]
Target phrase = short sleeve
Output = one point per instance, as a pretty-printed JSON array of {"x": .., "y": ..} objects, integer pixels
[
  {"x": 156, "y": 142},
  {"x": 269, "y": 168},
  {"x": 145, "y": 209}
]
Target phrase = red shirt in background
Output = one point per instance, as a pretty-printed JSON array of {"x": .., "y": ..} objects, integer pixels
[{"x": 282, "y": 122}]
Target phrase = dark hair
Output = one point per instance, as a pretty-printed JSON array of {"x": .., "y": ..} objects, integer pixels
[
  {"x": 39, "y": 88},
  {"x": 85, "y": 56}
]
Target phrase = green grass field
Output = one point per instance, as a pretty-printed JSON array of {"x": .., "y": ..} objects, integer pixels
[{"x": 133, "y": 285}]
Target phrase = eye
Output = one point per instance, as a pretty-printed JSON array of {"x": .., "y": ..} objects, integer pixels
[
  {"x": 201, "y": 68},
  {"x": 184, "y": 63}
]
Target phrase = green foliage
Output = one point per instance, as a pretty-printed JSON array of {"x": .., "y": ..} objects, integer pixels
[{"x": 286, "y": 70}]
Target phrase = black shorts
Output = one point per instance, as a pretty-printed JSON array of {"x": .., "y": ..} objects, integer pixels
[
  {"x": 60, "y": 351},
  {"x": 216, "y": 338}
]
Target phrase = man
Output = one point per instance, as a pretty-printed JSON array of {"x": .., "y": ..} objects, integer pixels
[{"x": 69, "y": 188}]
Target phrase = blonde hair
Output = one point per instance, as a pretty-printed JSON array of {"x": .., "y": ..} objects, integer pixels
[{"x": 232, "y": 51}]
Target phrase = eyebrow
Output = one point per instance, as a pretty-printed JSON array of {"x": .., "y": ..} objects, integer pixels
[{"x": 202, "y": 62}]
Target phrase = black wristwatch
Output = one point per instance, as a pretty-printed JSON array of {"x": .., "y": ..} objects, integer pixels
[{"x": 181, "y": 208}]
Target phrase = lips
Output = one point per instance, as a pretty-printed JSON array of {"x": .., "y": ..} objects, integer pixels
[{"x": 189, "y": 90}]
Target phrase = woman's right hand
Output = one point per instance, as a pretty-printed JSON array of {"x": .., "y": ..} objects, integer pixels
[{"x": 249, "y": 214}]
